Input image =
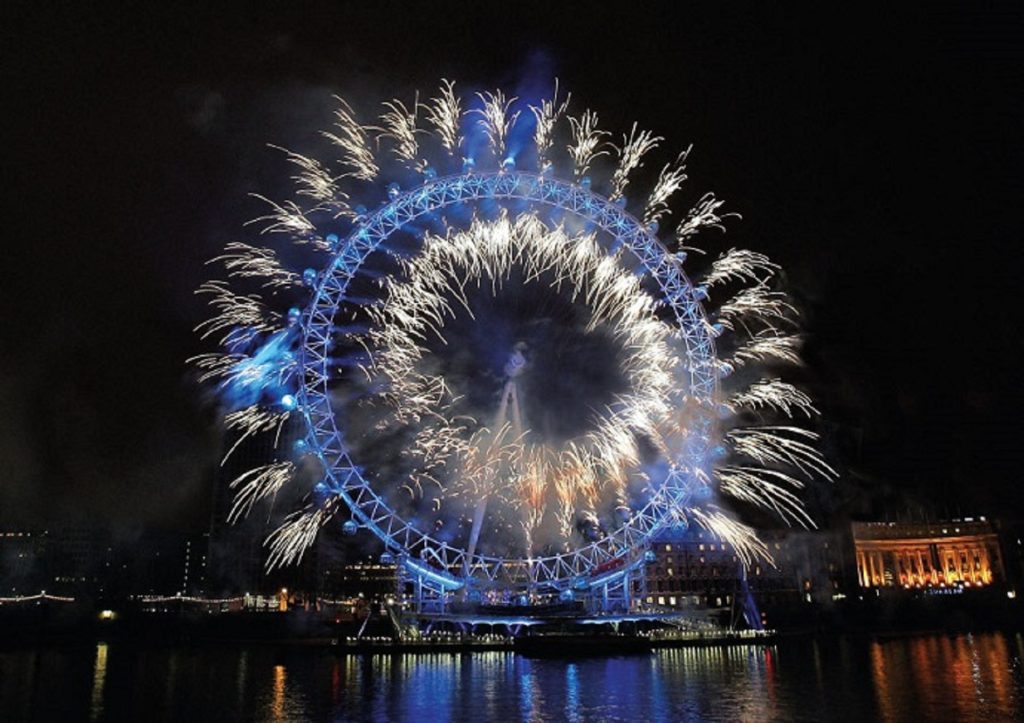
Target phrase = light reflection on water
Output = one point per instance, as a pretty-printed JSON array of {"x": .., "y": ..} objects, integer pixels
[
  {"x": 964, "y": 677},
  {"x": 99, "y": 680},
  {"x": 975, "y": 673}
]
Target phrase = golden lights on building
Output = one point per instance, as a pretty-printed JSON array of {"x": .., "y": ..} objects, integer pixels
[{"x": 961, "y": 553}]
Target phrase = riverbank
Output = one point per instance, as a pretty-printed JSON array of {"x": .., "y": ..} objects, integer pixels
[{"x": 881, "y": 616}]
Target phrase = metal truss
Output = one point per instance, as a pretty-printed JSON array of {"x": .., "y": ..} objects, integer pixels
[{"x": 593, "y": 565}]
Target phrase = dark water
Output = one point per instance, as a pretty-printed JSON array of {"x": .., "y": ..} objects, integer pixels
[{"x": 964, "y": 677}]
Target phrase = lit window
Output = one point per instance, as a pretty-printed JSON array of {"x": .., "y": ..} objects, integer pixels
[
  {"x": 669, "y": 572},
  {"x": 672, "y": 600},
  {"x": 661, "y": 600},
  {"x": 701, "y": 547},
  {"x": 668, "y": 548}
]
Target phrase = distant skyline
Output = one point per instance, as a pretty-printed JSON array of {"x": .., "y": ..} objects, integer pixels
[{"x": 875, "y": 154}]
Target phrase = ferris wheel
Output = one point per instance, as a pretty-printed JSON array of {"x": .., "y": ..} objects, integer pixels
[{"x": 501, "y": 370}]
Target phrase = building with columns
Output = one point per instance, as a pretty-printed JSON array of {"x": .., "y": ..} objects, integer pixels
[{"x": 959, "y": 553}]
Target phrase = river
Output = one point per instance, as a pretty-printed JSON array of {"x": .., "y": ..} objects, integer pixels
[{"x": 932, "y": 677}]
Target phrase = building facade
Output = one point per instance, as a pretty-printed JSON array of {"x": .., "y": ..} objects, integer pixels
[
  {"x": 959, "y": 553},
  {"x": 696, "y": 569}
]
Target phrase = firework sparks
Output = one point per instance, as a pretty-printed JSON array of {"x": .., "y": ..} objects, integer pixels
[
  {"x": 547, "y": 114},
  {"x": 400, "y": 126},
  {"x": 289, "y": 218},
  {"x": 768, "y": 346},
  {"x": 242, "y": 378},
  {"x": 245, "y": 261},
  {"x": 436, "y": 286},
  {"x": 289, "y": 542},
  {"x": 587, "y": 142},
  {"x": 242, "y": 315},
  {"x": 670, "y": 180},
  {"x": 313, "y": 181},
  {"x": 354, "y": 142},
  {"x": 258, "y": 484},
  {"x": 552, "y": 494},
  {"x": 741, "y": 265},
  {"x": 215, "y": 365},
  {"x": 532, "y": 492},
  {"x": 756, "y": 303},
  {"x": 482, "y": 458},
  {"x": 703, "y": 215},
  {"x": 780, "y": 446},
  {"x": 495, "y": 119},
  {"x": 444, "y": 112},
  {"x": 743, "y": 538},
  {"x": 253, "y": 420},
  {"x": 774, "y": 394},
  {"x": 631, "y": 153},
  {"x": 765, "y": 488}
]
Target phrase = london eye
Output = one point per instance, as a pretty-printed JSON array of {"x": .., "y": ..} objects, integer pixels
[{"x": 469, "y": 335}]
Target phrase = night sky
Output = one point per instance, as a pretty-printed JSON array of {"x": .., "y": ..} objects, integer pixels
[{"x": 876, "y": 156}]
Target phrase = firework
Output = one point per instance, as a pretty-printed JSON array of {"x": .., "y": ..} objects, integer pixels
[
  {"x": 766, "y": 346},
  {"x": 755, "y": 304},
  {"x": 740, "y": 265},
  {"x": 670, "y": 180},
  {"x": 243, "y": 316},
  {"x": 445, "y": 112},
  {"x": 360, "y": 363},
  {"x": 774, "y": 394},
  {"x": 496, "y": 119},
  {"x": 434, "y": 287},
  {"x": 400, "y": 126},
  {"x": 244, "y": 261},
  {"x": 258, "y": 484},
  {"x": 314, "y": 181},
  {"x": 353, "y": 140},
  {"x": 587, "y": 142},
  {"x": 631, "y": 153},
  {"x": 547, "y": 115}
]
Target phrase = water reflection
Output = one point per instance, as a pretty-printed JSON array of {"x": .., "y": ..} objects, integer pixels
[
  {"x": 529, "y": 692},
  {"x": 241, "y": 679},
  {"x": 572, "y": 692},
  {"x": 963, "y": 677},
  {"x": 99, "y": 679},
  {"x": 277, "y": 706},
  {"x": 935, "y": 677}
]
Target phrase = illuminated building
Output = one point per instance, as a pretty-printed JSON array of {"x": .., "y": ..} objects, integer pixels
[
  {"x": 697, "y": 569},
  {"x": 959, "y": 553},
  {"x": 369, "y": 579}
]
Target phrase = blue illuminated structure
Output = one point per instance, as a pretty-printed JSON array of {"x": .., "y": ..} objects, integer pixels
[
  {"x": 602, "y": 571},
  {"x": 287, "y": 354}
]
